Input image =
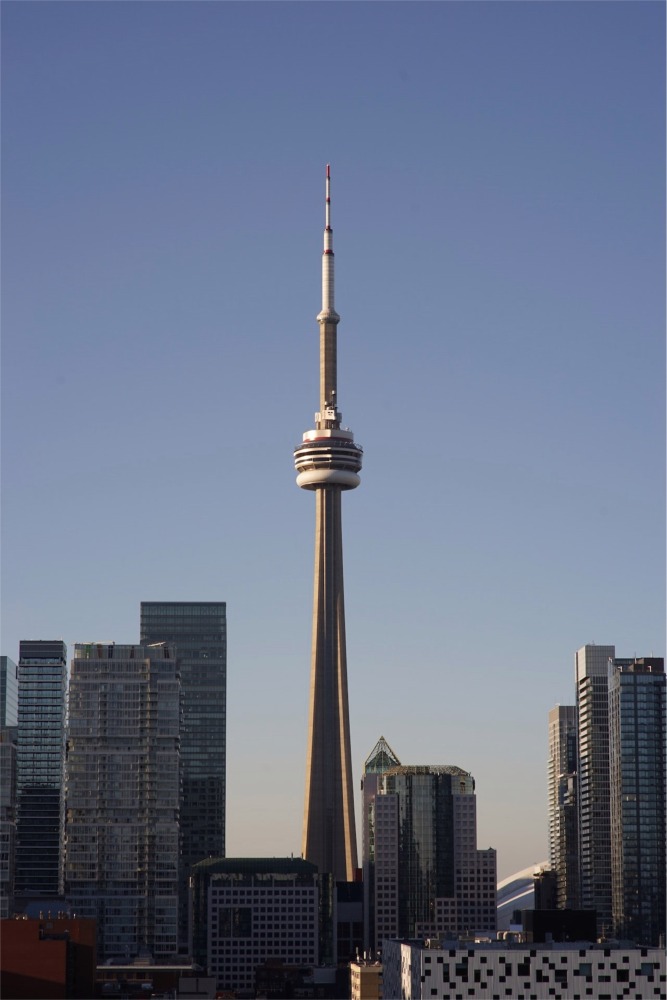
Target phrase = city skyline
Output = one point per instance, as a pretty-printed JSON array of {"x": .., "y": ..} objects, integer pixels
[{"x": 500, "y": 228}]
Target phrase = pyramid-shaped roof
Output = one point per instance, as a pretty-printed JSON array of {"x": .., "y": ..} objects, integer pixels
[{"x": 381, "y": 758}]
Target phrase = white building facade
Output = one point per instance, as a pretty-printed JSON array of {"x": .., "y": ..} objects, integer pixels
[{"x": 418, "y": 970}]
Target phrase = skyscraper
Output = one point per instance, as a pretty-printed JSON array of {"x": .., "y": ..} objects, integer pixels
[
  {"x": 428, "y": 877},
  {"x": 199, "y": 631},
  {"x": 9, "y": 692},
  {"x": 7, "y": 818},
  {"x": 123, "y": 789},
  {"x": 591, "y": 666},
  {"x": 9, "y": 687},
  {"x": 40, "y": 755},
  {"x": 379, "y": 760},
  {"x": 637, "y": 797},
  {"x": 328, "y": 462},
  {"x": 562, "y": 791}
]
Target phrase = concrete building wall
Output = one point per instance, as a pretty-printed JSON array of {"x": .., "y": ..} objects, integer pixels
[
  {"x": 256, "y": 910},
  {"x": 412, "y": 971},
  {"x": 52, "y": 959}
]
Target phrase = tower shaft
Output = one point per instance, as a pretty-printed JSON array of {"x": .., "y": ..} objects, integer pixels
[
  {"x": 328, "y": 462},
  {"x": 329, "y": 835}
]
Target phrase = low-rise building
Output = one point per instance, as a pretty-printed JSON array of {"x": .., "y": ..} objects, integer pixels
[
  {"x": 416, "y": 970},
  {"x": 365, "y": 980},
  {"x": 50, "y": 958}
]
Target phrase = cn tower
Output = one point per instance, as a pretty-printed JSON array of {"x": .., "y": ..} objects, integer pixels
[{"x": 329, "y": 462}]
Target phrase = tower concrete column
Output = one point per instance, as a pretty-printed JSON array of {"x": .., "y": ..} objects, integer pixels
[{"x": 328, "y": 462}]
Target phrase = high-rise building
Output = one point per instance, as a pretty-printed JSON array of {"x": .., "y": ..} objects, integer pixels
[
  {"x": 8, "y": 733},
  {"x": 250, "y": 910},
  {"x": 40, "y": 755},
  {"x": 429, "y": 878},
  {"x": 7, "y": 818},
  {"x": 591, "y": 666},
  {"x": 198, "y": 629},
  {"x": 9, "y": 692},
  {"x": 637, "y": 797},
  {"x": 328, "y": 462},
  {"x": 379, "y": 760},
  {"x": 562, "y": 791},
  {"x": 123, "y": 791}
]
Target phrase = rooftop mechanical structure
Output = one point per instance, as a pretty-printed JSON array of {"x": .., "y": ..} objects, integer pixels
[{"x": 328, "y": 462}]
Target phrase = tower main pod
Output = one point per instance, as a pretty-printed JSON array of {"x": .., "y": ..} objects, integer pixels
[{"x": 329, "y": 462}]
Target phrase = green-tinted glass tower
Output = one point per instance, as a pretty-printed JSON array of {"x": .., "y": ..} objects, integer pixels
[
  {"x": 637, "y": 797},
  {"x": 40, "y": 759},
  {"x": 199, "y": 631}
]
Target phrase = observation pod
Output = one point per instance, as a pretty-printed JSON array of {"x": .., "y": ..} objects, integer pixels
[
  {"x": 328, "y": 463},
  {"x": 328, "y": 458}
]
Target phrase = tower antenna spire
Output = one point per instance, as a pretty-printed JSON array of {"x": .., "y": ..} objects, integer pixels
[{"x": 328, "y": 310}]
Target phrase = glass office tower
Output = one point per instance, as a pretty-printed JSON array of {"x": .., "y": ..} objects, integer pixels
[
  {"x": 430, "y": 878},
  {"x": 199, "y": 631},
  {"x": 637, "y": 797},
  {"x": 40, "y": 756}
]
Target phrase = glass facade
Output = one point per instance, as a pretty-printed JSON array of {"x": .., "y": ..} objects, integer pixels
[
  {"x": 40, "y": 754},
  {"x": 199, "y": 632},
  {"x": 563, "y": 821},
  {"x": 429, "y": 877},
  {"x": 380, "y": 759},
  {"x": 123, "y": 794},
  {"x": 9, "y": 692},
  {"x": 637, "y": 797},
  {"x": 426, "y": 843}
]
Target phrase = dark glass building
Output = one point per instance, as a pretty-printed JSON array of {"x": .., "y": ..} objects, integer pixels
[
  {"x": 199, "y": 631},
  {"x": 637, "y": 797},
  {"x": 40, "y": 756},
  {"x": 429, "y": 878}
]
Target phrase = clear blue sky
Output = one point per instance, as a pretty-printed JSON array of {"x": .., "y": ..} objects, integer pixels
[{"x": 498, "y": 211}]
